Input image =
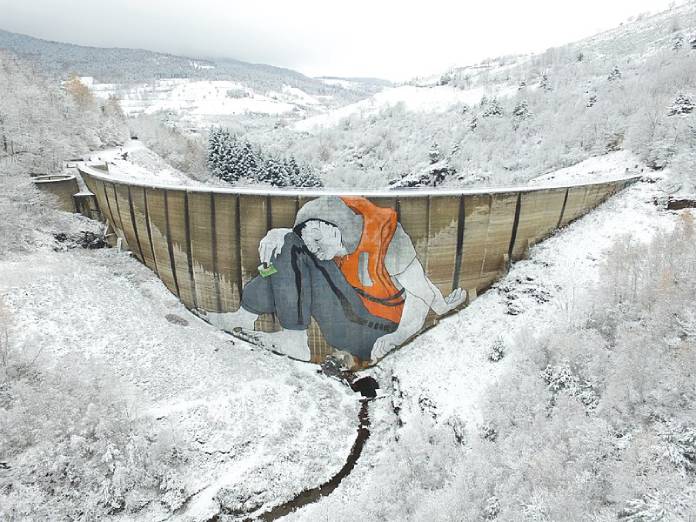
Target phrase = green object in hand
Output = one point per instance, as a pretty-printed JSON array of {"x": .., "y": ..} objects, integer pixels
[{"x": 267, "y": 269}]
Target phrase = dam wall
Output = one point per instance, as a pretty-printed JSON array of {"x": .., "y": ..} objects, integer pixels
[{"x": 203, "y": 243}]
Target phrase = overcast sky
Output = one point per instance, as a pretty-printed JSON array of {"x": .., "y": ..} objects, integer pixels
[{"x": 382, "y": 38}]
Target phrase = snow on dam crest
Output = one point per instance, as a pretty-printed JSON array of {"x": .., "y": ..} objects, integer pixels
[{"x": 349, "y": 273}]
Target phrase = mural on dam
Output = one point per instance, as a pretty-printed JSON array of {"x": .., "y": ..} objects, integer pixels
[
  {"x": 314, "y": 274},
  {"x": 348, "y": 264}
]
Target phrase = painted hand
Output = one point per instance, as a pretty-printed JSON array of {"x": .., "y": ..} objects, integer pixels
[
  {"x": 383, "y": 346},
  {"x": 443, "y": 305},
  {"x": 456, "y": 298},
  {"x": 272, "y": 244}
]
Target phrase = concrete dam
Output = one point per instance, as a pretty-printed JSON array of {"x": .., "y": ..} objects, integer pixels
[{"x": 336, "y": 272}]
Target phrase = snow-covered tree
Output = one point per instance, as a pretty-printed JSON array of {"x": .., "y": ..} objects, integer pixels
[
  {"x": 545, "y": 82},
  {"x": 591, "y": 99},
  {"x": 493, "y": 109},
  {"x": 520, "y": 113},
  {"x": 434, "y": 154},
  {"x": 615, "y": 74},
  {"x": 683, "y": 104},
  {"x": 232, "y": 160}
]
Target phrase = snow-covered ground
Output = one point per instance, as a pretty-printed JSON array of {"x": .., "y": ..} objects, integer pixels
[
  {"x": 196, "y": 100},
  {"x": 244, "y": 417},
  {"x": 135, "y": 162},
  {"x": 599, "y": 168},
  {"x": 142, "y": 165},
  {"x": 442, "y": 375},
  {"x": 417, "y": 99},
  {"x": 264, "y": 428}
]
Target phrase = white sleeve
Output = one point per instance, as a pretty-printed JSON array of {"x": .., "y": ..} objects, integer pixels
[{"x": 400, "y": 252}]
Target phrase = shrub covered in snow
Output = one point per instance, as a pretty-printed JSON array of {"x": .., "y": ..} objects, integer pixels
[{"x": 79, "y": 450}]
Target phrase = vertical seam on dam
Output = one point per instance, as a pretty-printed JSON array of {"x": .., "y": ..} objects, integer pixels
[
  {"x": 170, "y": 248},
  {"x": 460, "y": 245},
  {"x": 560, "y": 218},
  {"x": 515, "y": 224},
  {"x": 488, "y": 231},
  {"x": 269, "y": 216},
  {"x": 427, "y": 235},
  {"x": 135, "y": 226},
  {"x": 118, "y": 211},
  {"x": 108, "y": 207},
  {"x": 149, "y": 231},
  {"x": 214, "y": 254},
  {"x": 238, "y": 261},
  {"x": 189, "y": 250}
]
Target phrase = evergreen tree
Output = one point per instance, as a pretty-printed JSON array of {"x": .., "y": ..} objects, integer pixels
[
  {"x": 683, "y": 104},
  {"x": 247, "y": 164},
  {"x": 615, "y": 74},
  {"x": 434, "y": 154},
  {"x": 493, "y": 109},
  {"x": 520, "y": 113},
  {"x": 545, "y": 83},
  {"x": 308, "y": 178},
  {"x": 213, "y": 158},
  {"x": 231, "y": 159},
  {"x": 678, "y": 42}
]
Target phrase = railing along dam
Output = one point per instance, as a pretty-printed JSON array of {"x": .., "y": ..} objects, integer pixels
[{"x": 356, "y": 268}]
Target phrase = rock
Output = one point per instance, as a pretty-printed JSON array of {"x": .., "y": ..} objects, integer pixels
[
  {"x": 679, "y": 204},
  {"x": 175, "y": 319},
  {"x": 84, "y": 239}
]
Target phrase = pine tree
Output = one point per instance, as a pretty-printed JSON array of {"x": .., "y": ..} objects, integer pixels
[
  {"x": 521, "y": 110},
  {"x": 520, "y": 113},
  {"x": 214, "y": 151},
  {"x": 545, "y": 83},
  {"x": 615, "y": 74},
  {"x": 493, "y": 109},
  {"x": 682, "y": 104},
  {"x": 678, "y": 42},
  {"x": 248, "y": 161},
  {"x": 293, "y": 172},
  {"x": 308, "y": 178},
  {"x": 231, "y": 159},
  {"x": 434, "y": 154}
]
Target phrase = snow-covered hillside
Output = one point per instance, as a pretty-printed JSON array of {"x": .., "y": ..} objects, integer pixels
[
  {"x": 450, "y": 446},
  {"x": 196, "y": 100},
  {"x": 436, "y": 99},
  {"x": 564, "y": 392},
  {"x": 236, "y": 430}
]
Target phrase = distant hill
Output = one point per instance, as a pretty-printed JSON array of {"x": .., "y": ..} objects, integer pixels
[{"x": 120, "y": 65}]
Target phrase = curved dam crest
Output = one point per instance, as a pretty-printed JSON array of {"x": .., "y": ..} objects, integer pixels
[{"x": 359, "y": 264}]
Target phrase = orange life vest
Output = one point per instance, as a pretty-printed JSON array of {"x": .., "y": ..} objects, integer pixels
[{"x": 381, "y": 298}]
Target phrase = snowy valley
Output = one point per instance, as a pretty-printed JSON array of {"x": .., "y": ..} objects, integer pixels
[{"x": 564, "y": 392}]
